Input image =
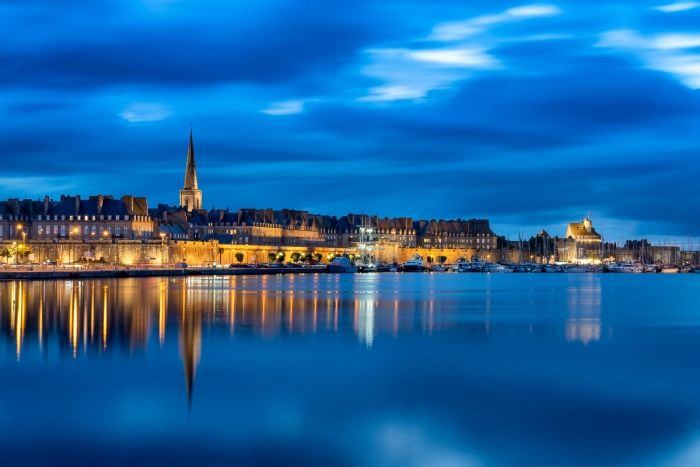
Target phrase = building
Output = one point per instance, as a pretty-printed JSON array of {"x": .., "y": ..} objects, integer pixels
[
  {"x": 98, "y": 216},
  {"x": 581, "y": 243},
  {"x": 75, "y": 218},
  {"x": 472, "y": 234},
  {"x": 583, "y": 232},
  {"x": 191, "y": 195}
]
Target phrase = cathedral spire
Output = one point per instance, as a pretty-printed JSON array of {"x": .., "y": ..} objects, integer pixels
[
  {"x": 191, "y": 195},
  {"x": 191, "y": 167}
]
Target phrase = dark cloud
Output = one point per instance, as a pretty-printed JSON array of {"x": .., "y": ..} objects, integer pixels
[
  {"x": 236, "y": 46},
  {"x": 562, "y": 125}
]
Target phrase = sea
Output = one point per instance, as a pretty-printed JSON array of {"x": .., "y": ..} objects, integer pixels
[{"x": 389, "y": 369}]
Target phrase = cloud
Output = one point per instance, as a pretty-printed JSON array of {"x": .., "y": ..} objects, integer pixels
[
  {"x": 285, "y": 108},
  {"x": 664, "y": 52},
  {"x": 457, "y": 30},
  {"x": 467, "y": 58},
  {"x": 141, "y": 112},
  {"x": 412, "y": 74},
  {"x": 186, "y": 45},
  {"x": 676, "y": 7}
]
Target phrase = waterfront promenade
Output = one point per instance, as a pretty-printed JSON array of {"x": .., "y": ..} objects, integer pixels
[{"x": 49, "y": 273}]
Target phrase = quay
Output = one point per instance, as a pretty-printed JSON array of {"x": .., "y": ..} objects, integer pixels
[{"x": 121, "y": 272}]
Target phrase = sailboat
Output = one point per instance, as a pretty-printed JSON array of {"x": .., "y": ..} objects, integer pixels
[{"x": 366, "y": 262}]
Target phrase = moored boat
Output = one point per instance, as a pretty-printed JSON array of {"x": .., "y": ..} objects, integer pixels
[
  {"x": 496, "y": 267},
  {"x": 626, "y": 267},
  {"x": 341, "y": 264},
  {"x": 414, "y": 264}
]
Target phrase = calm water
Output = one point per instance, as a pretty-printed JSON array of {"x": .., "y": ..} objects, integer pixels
[{"x": 353, "y": 370}]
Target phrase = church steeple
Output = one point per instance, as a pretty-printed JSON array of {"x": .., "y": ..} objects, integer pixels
[
  {"x": 191, "y": 195},
  {"x": 190, "y": 168}
]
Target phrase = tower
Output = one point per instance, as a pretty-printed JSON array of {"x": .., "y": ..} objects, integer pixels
[{"x": 191, "y": 195}]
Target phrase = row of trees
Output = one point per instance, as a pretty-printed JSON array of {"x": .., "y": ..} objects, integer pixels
[
  {"x": 440, "y": 259},
  {"x": 21, "y": 251},
  {"x": 296, "y": 257}
]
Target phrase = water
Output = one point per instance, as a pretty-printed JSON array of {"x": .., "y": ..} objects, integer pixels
[{"x": 352, "y": 370}]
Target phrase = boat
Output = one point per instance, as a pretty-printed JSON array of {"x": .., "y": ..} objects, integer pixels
[
  {"x": 670, "y": 270},
  {"x": 626, "y": 267},
  {"x": 577, "y": 269},
  {"x": 495, "y": 267},
  {"x": 367, "y": 267},
  {"x": 414, "y": 264},
  {"x": 522, "y": 267},
  {"x": 341, "y": 264}
]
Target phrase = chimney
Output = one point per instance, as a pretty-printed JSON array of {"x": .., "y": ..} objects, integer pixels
[
  {"x": 100, "y": 202},
  {"x": 46, "y": 205},
  {"x": 77, "y": 204}
]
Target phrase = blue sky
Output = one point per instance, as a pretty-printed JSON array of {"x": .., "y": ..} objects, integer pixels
[{"x": 530, "y": 114}]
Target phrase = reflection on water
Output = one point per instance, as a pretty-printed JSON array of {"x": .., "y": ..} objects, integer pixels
[
  {"x": 451, "y": 367},
  {"x": 94, "y": 315},
  {"x": 583, "y": 306}
]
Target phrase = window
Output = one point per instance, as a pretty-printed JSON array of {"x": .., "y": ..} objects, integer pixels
[{"x": 63, "y": 230}]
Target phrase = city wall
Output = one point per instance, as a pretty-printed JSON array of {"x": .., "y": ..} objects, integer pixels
[{"x": 194, "y": 253}]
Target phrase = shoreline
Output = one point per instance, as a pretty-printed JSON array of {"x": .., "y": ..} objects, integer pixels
[{"x": 59, "y": 274}]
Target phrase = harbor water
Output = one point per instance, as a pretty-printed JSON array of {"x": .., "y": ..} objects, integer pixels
[{"x": 352, "y": 370}]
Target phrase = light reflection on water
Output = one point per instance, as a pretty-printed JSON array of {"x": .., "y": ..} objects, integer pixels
[{"x": 386, "y": 369}]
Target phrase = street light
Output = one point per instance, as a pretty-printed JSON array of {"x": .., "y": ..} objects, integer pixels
[
  {"x": 73, "y": 231},
  {"x": 105, "y": 234},
  {"x": 162, "y": 248}
]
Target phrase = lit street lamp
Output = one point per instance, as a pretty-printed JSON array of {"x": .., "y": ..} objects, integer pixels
[
  {"x": 162, "y": 248},
  {"x": 105, "y": 234}
]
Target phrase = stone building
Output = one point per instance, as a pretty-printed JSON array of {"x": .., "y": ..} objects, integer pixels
[
  {"x": 581, "y": 243},
  {"x": 98, "y": 216},
  {"x": 472, "y": 234},
  {"x": 72, "y": 217}
]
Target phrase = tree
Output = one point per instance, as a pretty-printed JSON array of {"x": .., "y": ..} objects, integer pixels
[
  {"x": 280, "y": 257},
  {"x": 272, "y": 256},
  {"x": 330, "y": 257},
  {"x": 239, "y": 256},
  {"x": 441, "y": 259},
  {"x": 317, "y": 257},
  {"x": 296, "y": 256},
  {"x": 6, "y": 253},
  {"x": 23, "y": 251},
  {"x": 221, "y": 253},
  {"x": 430, "y": 259}
]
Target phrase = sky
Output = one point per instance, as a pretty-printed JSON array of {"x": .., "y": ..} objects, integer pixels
[{"x": 529, "y": 114}]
